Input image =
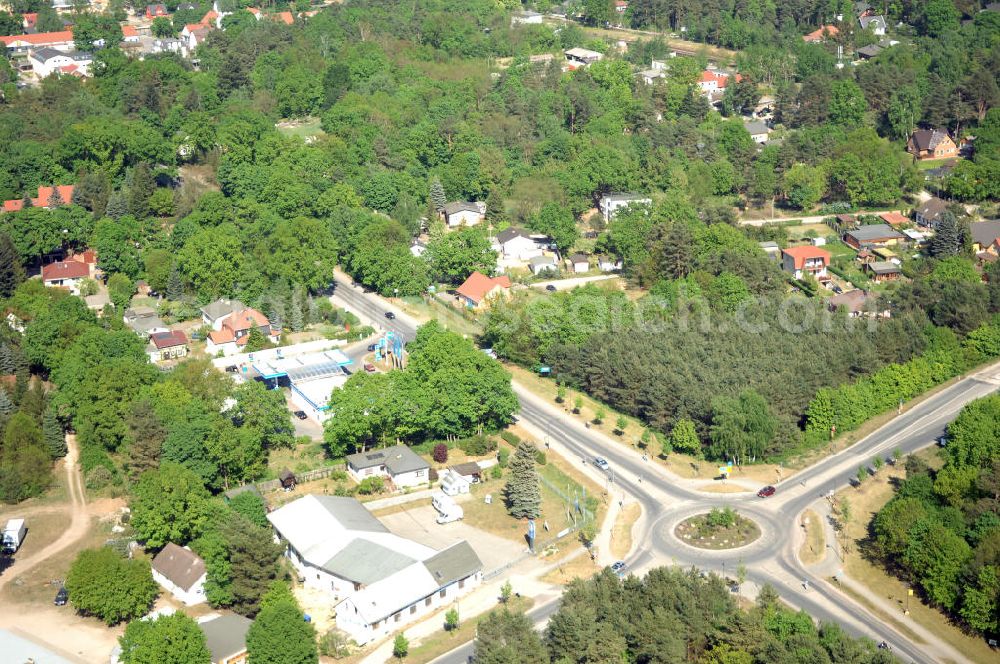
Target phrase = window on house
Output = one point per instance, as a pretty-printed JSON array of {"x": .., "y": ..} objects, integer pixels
[
  {"x": 413, "y": 609},
  {"x": 397, "y": 617},
  {"x": 461, "y": 584},
  {"x": 443, "y": 593},
  {"x": 420, "y": 473},
  {"x": 375, "y": 625}
]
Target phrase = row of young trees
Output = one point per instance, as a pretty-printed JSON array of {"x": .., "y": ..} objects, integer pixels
[{"x": 941, "y": 530}]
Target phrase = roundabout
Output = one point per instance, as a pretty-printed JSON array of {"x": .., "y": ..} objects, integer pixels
[
  {"x": 718, "y": 530},
  {"x": 668, "y": 533}
]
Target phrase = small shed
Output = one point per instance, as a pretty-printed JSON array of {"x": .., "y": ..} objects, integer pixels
[
  {"x": 287, "y": 479},
  {"x": 470, "y": 470}
]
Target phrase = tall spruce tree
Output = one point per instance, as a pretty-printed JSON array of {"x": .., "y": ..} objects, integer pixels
[
  {"x": 53, "y": 433},
  {"x": 56, "y": 200},
  {"x": 947, "y": 240},
  {"x": 175, "y": 287},
  {"x": 437, "y": 195},
  {"x": 6, "y": 405},
  {"x": 117, "y": 205},
  {"x": 522, "y": 491},
  {"x": 11, "y": 269},
  {"x": 295, "y": 314}
]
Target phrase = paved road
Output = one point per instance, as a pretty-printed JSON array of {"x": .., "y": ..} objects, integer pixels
[{"x": 667, "y": 501}]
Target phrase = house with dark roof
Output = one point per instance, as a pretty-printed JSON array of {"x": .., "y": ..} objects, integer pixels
[
  {"x": 868, "y": 52},
  {"x": 930, "y": 211},
  {"x": 758, "y": 131},
  {"x": 984, "y": 235},
  {"x": 463, "y": 213},
  {"x": 156, "y": 11},
  {"x": 378, "y": 580},
  {"x": 880, "y": 271},
  {"x": 931, "y": 144},
  {"x": 170, "y": 345},
  {"x": 400, "y": 464},
  {"x": 856, "y": 303},
  {"x": 873, "y": 235},
  {"x": 181, "y": 572},
  {"x": 874, "y": 22},
  {"x": 579, "y": 263},
  {"x": 226, "y": 637},
  {"x": 478, "y": 290}
]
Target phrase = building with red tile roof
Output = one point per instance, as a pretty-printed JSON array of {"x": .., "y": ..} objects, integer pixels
[
  {"x": 806, "y": 259},
  {"x": 821, "y": 34},
  {"x": 66, "y": 274},
  {"x": 168, "y": 345},
  {"x": 478, "y": 289},
  {"x": 43, "y": 199},
  {"x": 712, "y": 80},
  {"x": 61, "y": 41},
  {"x": 284, "y": 17},
  {"x": 894, "y": 218}
]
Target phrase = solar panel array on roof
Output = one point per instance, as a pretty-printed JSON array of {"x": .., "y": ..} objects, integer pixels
[{"x": 314, "y": 371}]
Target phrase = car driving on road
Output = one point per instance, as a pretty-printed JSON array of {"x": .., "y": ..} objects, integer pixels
[
  {"x": 766, "y": 492},
  {"x": 390, "y": 315},
  {"x": 618, "y": 566},
  {"x": 601, "y": 463},
  {"x": 61, "y": 597},
  {"x": 301, "y": 414}
]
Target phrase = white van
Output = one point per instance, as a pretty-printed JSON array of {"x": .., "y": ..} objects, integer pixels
[{"x": 448, "y": 509}]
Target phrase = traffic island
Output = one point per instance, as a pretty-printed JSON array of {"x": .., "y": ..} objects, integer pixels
[{"x": 720, "y": 529}]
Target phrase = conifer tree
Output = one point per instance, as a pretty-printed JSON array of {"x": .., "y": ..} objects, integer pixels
[
  {"x": 175, "y": 287},
  {"x": 437, "y": 195},
  {"x": 55, "y": 437},
  {"x": 295, "y": 314},
  {"x": 947, "y": 240},
  {"x": 117, "y": 205},
  {"x": 6, "y": 405},
  {"x": 11, "y": 269},
  {"x": 56, "y": 200},
  {"x": 522, "y": 491}
]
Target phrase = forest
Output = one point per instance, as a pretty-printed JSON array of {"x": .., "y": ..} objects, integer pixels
[
  {"x": 941, "y": 530},
  {"x": 669, "y": 615}
]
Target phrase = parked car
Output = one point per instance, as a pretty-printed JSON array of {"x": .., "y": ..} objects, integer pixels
[
  {"x": 301, "y": 414},
  {"x": 372, "y": 348},
  {"x": 766, "y": 492},
  {"x": 369, "y": 367},
  {"x": 942, "y": 441},
  {"x": 885, "y": 646},
  {"x": 551, "y": 288},
  {"x": 618, "y": 566},
  {"x": 61, "y": 597},
  {"x": 390, "y": 315},
  {"x": 601, "y": 463}
]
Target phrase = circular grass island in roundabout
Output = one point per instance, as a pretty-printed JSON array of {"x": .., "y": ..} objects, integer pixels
[{"x": 720, "y": 529}]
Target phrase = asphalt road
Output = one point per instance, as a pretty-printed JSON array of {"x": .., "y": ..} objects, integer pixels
[{"x": 770, "y": 559}]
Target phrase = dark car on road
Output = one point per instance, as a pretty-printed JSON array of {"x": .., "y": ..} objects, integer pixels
[
  {"x": 390, "y": 315},
  {"x": 61, "y": 597},
  {"x": 301, "y": 414},
  {"x": 551, "y": 288},
  {"x": 766, "y": 492},
  {"x": 372, "y": 348}
]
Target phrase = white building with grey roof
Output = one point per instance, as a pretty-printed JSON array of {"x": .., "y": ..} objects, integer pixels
[
  {"x": 398, "y": 464},
  {"x": 378, "y": 581}
]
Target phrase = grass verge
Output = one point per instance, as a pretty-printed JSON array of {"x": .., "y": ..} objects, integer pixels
[
  {"x": 814, "y": 547},
  {"x": 621, "y": 531},
  {"x": 441, "y": 642}
]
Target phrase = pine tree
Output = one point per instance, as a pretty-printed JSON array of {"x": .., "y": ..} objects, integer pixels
[
  {"x": 312, "y": 311},
  {"x": 11, "y": 269},
  {"x": 117, "y": 205},
  {"x": 437, "y": 195},
  {"x": 56, "y": 200},
  {"x": 522, "y": 491},
  {"x": 175, "y": 287},
  {"x": 141, "y": 188},
  {"x": 495, "y": 211},
  {"x": 55, "y": 437},
  {"x": 276, "y": 311},
  {"x": 7, "y": 365},
  {"x": 295, "y": 315},
  {"x": 6, "y": 405},
  {"x": 947, "y": 240},
  {"x": 26, "y": 202}
]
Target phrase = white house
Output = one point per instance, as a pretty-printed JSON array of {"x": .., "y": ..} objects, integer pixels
[
  {"x": 758, "y": 131},
  {"x": 379, "y": 581},
  {"x": 713, "y": 80},
  {"x": 65, "y": 274},
  {"x": 514, "y": 243},
  {"x": 226, "y": 637},
  {"x": 650, "y": 76},
  {"x": 526, "y": 18},
  {"x": 581, "y": 57},
  {"x": 400, "y": 464},
  {"x": 47, "y": 61},
  {"x": 609, "y": 264},
  {"x": 463, "y": 213},
  {"x": 874, "y": 23},
  {"x": 543, "y": 263},
  {"x": 181, "y": 573},
  {"x": 418, "y": 249},
  {"x": 214, "y": 313},
  {"x": 579, "y": 263},
  {"x": 611, "y": 203}
]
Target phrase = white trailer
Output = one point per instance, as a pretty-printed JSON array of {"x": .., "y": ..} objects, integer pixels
[
  {"x": 13, "y": 535},
  {"x": 448, "y": 509}
]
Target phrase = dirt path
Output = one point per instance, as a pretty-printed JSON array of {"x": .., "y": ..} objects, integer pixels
[{"x": 79, "y": 519}]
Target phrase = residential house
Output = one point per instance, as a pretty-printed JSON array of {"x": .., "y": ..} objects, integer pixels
[
  {"x": 169, "y": 345},
  {"x": 526, "y": 18},
  {"x": 214, "y": 313},
  {"x": 283, "y": 17},
  {"x": 418, "y": 249},
  {"x": 156, "y": 11},
  {"x": 146, "y": 326},
  {"x": 192, "y": 36},
  {"x": 758, "y": 131},
  {"x": 712, "y": 80},
  {"x": 856, "y": 303},
  {"x": 226, "y": 637},
  {"x": 771, "y": 249},
  {"x": 234, "y": 332},
  {"x": 129, "y": 34},
  {"x": 621, "y": 6},
  {"x": 61, "y": 41},
  {"x": 47, "y": 61},
  {"x": 46, "y": 198},
  {"x": 984, "y": 235},
  {"x": 931, "y": 144},
  {"x": 883, "y": 271},
  {"x": 463, "y": 213},
  {"x": 379, "y": 581},
  {"x": 894, "y": 218},
  {"x": 66, "y": 274},
  {"x": 929, "y": 213},
  {"x": 478, "y": 290},
  {"x": 873, "y": 235},
  {"x": 581, "y": 57},
  {"x": 470, "y": 471},
  {"x": 609, "y": 264},
  {"x": 398, "y": 464},
  {"x": 651, "y": 76},
  {"x": 514, "y": 243},
  {"x": 806, "y": 259},
  {"x": 821, "y": 34},
  {"x": 181, "y": 572},
  {"x": 611, "y": 203},
  {"x": 543, "y": 263},
  {"x": 579, "y": 263},
  {"x": 875, "y": 23},
  {"x": 868, "y": 52}
]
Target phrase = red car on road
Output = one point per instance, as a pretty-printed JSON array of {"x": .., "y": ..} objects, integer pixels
[{"x": 766, "y": 492}]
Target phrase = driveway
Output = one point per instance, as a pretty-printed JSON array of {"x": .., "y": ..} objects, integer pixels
[{"x": 418, "y": 525}]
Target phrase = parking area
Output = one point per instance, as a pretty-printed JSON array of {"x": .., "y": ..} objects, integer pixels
[{"x": 417, "y": 523}]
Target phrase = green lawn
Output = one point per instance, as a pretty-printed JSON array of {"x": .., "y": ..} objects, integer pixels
[{"x": 306, "y": 128}]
